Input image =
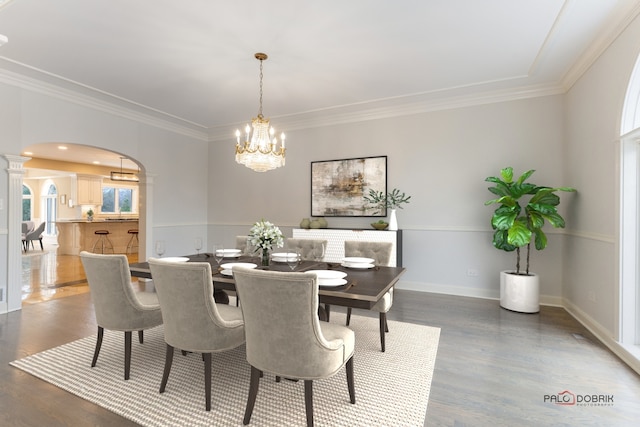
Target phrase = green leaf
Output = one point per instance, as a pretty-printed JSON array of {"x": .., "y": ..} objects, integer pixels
[
  {"x": 546, "y": 196},
  {"x": 555, "y": 219},
  {"x": 536, "y": 219},
  {"x": 540, "y": 239},
  {"x": 519, "y": 233},
  {"x": 525, "y": 176},
  {"x": 501, "y": 241},
  {"x": 503, "y": 221},
  {"x": 501, "y": 189},
  {"x": 507, "y": 174}
]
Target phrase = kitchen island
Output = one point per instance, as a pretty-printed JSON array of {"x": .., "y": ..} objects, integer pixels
[{"x": 76, "y": 235}]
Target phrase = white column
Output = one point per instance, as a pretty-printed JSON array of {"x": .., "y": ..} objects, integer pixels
[
  {"x": 16, "y": 171},
  {"x": 145, "y": 222}
]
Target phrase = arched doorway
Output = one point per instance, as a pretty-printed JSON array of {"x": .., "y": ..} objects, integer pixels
[{"x": 55, "y": 188}]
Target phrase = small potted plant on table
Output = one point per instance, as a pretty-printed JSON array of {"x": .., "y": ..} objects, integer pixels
[{"x": 392, "y": 200}]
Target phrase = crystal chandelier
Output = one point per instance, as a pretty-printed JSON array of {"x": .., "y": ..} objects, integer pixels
[{"x": 260, "y": 150}]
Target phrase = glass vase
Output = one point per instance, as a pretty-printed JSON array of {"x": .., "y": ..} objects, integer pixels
[{"x": 265, "y": 257}]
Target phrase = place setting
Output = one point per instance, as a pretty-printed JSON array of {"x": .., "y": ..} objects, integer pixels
[
  {"x": 330, "y": 278},
  {"x": 358, "y": 263}
]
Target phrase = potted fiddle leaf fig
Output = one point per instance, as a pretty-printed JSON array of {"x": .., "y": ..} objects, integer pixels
[{"x": 523, "y": 208}]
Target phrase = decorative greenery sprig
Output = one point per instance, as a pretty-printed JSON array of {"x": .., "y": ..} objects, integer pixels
[
  {"x": 265, "y": 235},
  {"x": 392, "y": 200}
]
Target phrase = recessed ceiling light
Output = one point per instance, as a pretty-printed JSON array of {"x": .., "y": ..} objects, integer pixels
[
  {"x": 95, "y": 162},
  {"x": 28, "y": 153},
  {"x": 61, "y": 147}
]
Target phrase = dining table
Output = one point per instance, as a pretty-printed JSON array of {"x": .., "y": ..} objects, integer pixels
[{"x": 364, "y": 287}]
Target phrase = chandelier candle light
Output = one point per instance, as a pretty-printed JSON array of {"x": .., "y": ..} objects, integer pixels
[{"x": 260, "y": 150}]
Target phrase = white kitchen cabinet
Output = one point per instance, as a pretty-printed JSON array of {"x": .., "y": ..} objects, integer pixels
[{"x": 89, "y": 190}]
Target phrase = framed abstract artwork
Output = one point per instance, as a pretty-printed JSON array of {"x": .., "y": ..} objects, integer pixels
[{"x": 338, "y": 187}]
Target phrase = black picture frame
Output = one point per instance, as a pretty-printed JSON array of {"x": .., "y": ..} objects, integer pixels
[{"x": 338, "y": 186}]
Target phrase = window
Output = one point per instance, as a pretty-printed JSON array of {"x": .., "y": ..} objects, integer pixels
[
  {"x": 27, "y": 198},
  {"x": 119, "y": 199},
  {"x": 50, "y": 205}
]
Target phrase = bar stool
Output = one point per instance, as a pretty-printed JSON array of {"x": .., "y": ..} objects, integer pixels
[
  {"x": 103, "y": 241},
  {"x": 133, "y": 242}
]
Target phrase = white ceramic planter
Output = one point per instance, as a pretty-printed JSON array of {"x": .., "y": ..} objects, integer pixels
[
  {"x": 520, "y": 293},
  {"x": 393, "y": 221}
]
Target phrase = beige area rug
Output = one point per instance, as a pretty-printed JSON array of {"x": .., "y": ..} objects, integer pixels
[{"x": 392, "y": 388}]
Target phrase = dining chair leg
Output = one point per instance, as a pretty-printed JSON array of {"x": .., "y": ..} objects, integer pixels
[
  {"x": 127, "y": 354},
  {"x": 308, "y": 401},
  {"x": 350, "y": 382},
  {"x": 327, "y": 308},
  {"x": 168, "y": 360},
  {"x": 98, "y": 345},
  {"x": 383, "y": 322},
  {"x": 141, "y": 336},
  {"x": 207, "y": 379},
  {"x": 348, "y": 315},
  {"x": 253, "y": 393}
]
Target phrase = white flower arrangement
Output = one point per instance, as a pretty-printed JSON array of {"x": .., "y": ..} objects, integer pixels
[{"x": 264, "y": 235}]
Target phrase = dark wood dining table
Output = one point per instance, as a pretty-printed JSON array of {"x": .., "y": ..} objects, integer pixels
[{"x": 364, "y": 287}]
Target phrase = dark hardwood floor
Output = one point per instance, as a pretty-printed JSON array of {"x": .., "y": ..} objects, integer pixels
[{"x": 494, "y": 367}]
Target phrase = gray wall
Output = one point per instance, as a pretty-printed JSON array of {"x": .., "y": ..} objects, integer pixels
[{"x": 441, "y": 159}]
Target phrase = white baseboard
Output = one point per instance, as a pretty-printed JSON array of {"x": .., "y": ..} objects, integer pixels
[
  {"x": 629, "y": 354},
  {"x": 463, "y": 291}
]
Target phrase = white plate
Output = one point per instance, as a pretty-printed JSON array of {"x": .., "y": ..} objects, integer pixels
[
  {"x": 229, "y": 266},
  {"x": 331, "y": 283},
  {"x": 282, "y": 256},
  {"x": 357, "y": 260},
  {"x": 226, "y": 273},
  {"x": 229, "y": 253},
  {"x": 174, "y": 259},
  {"x": 328, "y": 274},
  {"x": 363, "y": 266}
]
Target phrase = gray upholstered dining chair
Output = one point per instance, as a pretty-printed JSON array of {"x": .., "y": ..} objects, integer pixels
[
  {"x": 117, "y": 305},
  {"x": 380, "y": 252},
  {"x": 34, "y": 235},
  {"x": 309, "y": 249},
  {"x": 242, "y": 243},
  {"x": 193, "y": 322},
  {"x": 284, "y": 335}
]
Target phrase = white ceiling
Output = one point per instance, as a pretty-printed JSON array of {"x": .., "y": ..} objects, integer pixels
[{"x": 191, "y": 62}]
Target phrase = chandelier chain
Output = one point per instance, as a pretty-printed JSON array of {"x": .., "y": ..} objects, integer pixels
[{"x": 260, "y": 110}]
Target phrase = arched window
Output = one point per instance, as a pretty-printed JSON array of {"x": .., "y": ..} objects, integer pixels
[
  {"x": 50, "y": 205},
  {"x": 631, "y": 107},
  {"x": 27, "y": 199},
  {"x": 630, "y": 216}
]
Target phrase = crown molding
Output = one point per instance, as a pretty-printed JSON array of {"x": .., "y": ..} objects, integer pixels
[
  {"x": 114, "y": 107},
  {"x": 394, "y": 107},
  {"x": 617, "y": 25}
]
